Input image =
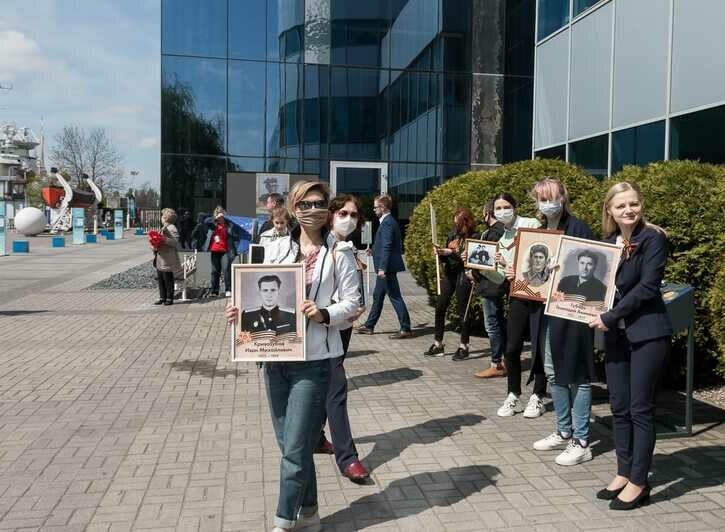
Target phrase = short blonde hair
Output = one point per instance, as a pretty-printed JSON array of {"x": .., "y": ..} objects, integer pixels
[
  {"x": 169, "y": 215},
  {"x": 301, "y": 188},
  {"x": 386, "y": 200},
  {"x": 548, "y": 187},
  {"x": 609, "y": 226},
  {"x": 217, "y": 211}
]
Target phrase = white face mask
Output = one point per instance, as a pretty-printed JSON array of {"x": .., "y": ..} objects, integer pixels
[
  {"x": 504, "y": 215},
  {"x": 550, "y": 208},
  {"x": 344, "y": 226}
]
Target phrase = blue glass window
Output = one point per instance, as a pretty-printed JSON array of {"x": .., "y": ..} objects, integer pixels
[
  {"x": 699, "y": 136},
  {"x": 246, "y": 108},
  {"x": 557, "y": 152},
  {"x": 553, "y": 14},
  {"x": 638, "y": 145},
  {"x": 582, "y": 5},
  {"x": 247, "y": 29},
  {"x": 315, "y": 112},
  {"x": 193, "y": 105},
  {"x": 359, "y": 31},
  {"x": 193, "y": 182},
  {"x": 414, "y": 26},
  {"x": 285, "y": 29},
  {"x": 194, "y": 27},
  {"x": 591, "y": 154}
]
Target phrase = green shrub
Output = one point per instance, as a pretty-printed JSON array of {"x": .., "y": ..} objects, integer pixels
[
  {"x": 475, "y": 188},
  {"x": 687, "y": 199},
  {"x": 715, "y": 303}
]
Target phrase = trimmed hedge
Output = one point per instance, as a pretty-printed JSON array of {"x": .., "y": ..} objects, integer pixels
[
  {"x": 687, "y": 199},
  {"x": 474, "y": 189}
]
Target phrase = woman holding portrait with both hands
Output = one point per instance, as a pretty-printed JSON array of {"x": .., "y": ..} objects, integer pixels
[{"x": 637, "y": 332}]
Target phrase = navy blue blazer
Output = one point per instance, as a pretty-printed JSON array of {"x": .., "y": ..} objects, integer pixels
[
  {"x": 638, "y": 300},
  {"x": 388, "y": 247}
]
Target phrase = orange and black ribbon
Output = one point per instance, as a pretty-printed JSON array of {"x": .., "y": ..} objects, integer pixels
[{"x": 629, "y": 248}]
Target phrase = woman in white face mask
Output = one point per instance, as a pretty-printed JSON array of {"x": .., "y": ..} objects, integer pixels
[
  {"x": 345, "y": 215},
  {"x": 504, "y": 209}
]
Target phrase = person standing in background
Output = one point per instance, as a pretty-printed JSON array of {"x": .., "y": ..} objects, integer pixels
[
  {"x": 388, "y": 260},
  {"x": 166, "y": 258}
]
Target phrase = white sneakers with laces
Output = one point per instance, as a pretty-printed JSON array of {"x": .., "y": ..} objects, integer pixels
[
  {"x": 535, "y": 407},
  {"x": 574, "y": 454},
  {"x": 510, "y": 406},
  {"x": 551, "y": 442}
]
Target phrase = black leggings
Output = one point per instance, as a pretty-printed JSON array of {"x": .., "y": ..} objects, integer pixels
[
  {"x": 166, "y": 285},
  {"x": 516, "y": 325},
  {"x": 461, "y": 286}
]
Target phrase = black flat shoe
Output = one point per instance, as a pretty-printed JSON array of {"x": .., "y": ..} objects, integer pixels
[
  {"x": 641, "y": 500},
  {"x": 160, "y": 302},
  {"x": 608, "y": 495},
  {"x": 461, "y": 354},
  {"x": 435, "y": 351},
  {"x": 169, "y": 302}
]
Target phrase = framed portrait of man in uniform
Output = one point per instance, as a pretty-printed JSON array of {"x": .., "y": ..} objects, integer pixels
[
  {"x": 269, "y": 326},
  {"x": 534, "y": 249},
  {"x": 583, "y": 287}
]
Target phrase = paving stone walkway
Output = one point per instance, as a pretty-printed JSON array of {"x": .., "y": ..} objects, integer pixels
[{"x": 118, "y": 415}]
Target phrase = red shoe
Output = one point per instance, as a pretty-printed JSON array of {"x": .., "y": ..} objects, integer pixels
[
  {"x": 356, "y": 472},
  {"x": 324, "y": 448}
]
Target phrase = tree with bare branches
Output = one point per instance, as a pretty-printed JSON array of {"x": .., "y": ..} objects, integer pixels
[{"x": 79, "y": 152}]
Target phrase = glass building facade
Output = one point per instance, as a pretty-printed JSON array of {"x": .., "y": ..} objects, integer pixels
[
  {"x": 621, "y": 82},
  {"x": 432, "y": 88}
]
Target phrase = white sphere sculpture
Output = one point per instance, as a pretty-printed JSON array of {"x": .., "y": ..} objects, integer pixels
[{"x": 29, "y": 221}]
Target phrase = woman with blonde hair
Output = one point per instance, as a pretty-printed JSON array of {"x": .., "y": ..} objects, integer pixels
[
  {"x": 297, "y": 391},
  {"x": 166, "y": 258},
  {"x": 563, "y": 350},
  {"x": 280, "y": 226},
  {"x": 637, "y": 334}
]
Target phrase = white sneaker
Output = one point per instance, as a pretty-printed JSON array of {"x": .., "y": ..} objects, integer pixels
[
  {"x": 310, "y": 523},
  {"x": 227, "y": 294},
  {"x": 510, "y": 406},
  {"x": 535, "y": 406},
  {"x": 551, "y": 442},
  {"x": 574, "y": 454}
]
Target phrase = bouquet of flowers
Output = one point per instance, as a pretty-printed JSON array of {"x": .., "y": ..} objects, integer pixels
[{"x": 156, "y": 239}]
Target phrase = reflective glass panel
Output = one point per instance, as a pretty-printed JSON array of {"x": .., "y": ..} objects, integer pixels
[
  {"x": 557, "y": 152},
  {"x": 194, "y": 27},
  {"x": 285, "y": 29},
  {"x": 415, "y": 25},
  {"x": 455, "y": 117},
  {"x": 553, "y": 14},
  {"x": 358, "y": 32},
  {"x": 638, "y": 145},
  {"x": 247, "y": 29},
  {"x": 246, "y": 108},
  {"x": 315, "y": 112},
  {"x": 591, "y": 154},
  {"x": 518, "y": 118},
  {"x": 582, "y": 5},
  {"x": 699, "y": 136},
  {"x": 195, "y": 183},
  {"x": 193, "y": 105}
]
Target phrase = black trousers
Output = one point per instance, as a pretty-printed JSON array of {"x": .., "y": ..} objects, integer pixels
[
  {"x": 633, "y": 371},
  {"x": 461, "y": 286},
  {"x": 336, "y": 406},
  {"x": 166, "y": 285},
  {"x": 217, "y": 260},
  {"x": 516, "y": 325}
]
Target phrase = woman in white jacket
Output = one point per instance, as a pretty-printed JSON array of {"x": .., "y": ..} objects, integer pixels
[{"x": 296, "y": 391}]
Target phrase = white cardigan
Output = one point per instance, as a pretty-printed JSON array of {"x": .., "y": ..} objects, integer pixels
[{"x": 334, "y": 288}]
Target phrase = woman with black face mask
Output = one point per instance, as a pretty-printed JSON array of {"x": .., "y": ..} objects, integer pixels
[{"x": 454, "y": 281}]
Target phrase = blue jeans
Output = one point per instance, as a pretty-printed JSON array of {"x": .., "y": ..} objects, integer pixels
[
  {"x": 495, "y": 324},
  {"x": 569, "y": 399},
  {"x": 296, "y": 392},
  {"x": 388, "y": 285}
]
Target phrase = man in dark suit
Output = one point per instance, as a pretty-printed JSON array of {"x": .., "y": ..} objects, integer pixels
[
  {"x": 388, "y": 261},
  {"x": 584, "y": 284},
  {"x": 269, "y": 317}
]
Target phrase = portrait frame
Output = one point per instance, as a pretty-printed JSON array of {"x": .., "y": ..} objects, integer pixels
[
  {"x": 264, "y": 182},
  {"x": 472, "y": 246},
  {"x": 582, "y": 302},
  {"x": 257, "y": 337},
  {"x": 255, "y": 254},
  {"x": 522, "y": 287}
]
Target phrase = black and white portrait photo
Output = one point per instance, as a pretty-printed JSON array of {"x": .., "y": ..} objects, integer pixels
[
  {"x": 270, "y": 326},
  {"x": 270, "y": 184},
  {"x": 535, "y": 248},
  {"x": 582, "y": 287},
  {"x": 480, "y": 254}
]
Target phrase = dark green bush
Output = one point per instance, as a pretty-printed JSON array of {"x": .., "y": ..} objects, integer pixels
[
  {"x": 475, "y": 188},
  {"x": 687, "y": 199}
]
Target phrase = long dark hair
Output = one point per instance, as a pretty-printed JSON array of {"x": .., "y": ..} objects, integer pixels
[
  {"x": 505, "y": 196},
  {"x": 464, "y": 221}
]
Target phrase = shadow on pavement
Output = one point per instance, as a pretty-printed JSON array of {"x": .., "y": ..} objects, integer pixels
[
  {"x": 381, "y": 378},
  {"x": 361, "y": 353},
  {"x": 687, "y": 470},
  {"x": 206, "y": 368},
  {"x": 389, "y": 445},
  {"x": 412, "y": 495},
  {"x": 12, "y": 313}
]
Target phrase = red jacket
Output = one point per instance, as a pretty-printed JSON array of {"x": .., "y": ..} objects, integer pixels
[{"x": 219, "y": 239}]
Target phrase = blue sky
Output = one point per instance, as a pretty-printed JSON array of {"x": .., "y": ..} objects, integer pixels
[{"x": 92, "y": 63}]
